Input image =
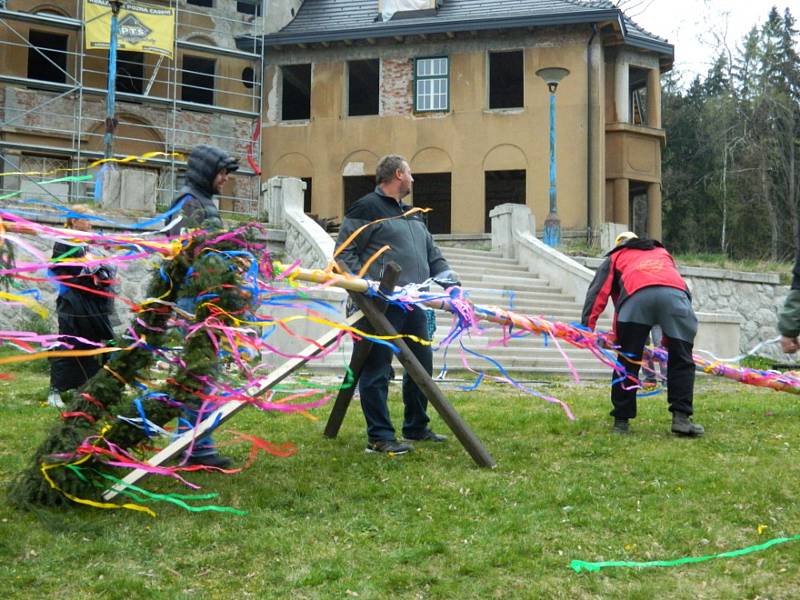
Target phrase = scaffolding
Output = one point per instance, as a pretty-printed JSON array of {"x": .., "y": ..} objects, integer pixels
[{"x": 52, "y": 95}]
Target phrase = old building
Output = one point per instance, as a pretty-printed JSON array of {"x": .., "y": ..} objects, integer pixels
[
  {"x": 452, "y": 85},
  {"x": 53, "y": 96}
]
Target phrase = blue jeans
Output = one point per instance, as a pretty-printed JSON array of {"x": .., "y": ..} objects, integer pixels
[{"x": 373, "y": 385}]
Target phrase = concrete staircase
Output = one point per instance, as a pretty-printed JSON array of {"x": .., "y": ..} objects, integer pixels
[{"x": 493, "y": 280}]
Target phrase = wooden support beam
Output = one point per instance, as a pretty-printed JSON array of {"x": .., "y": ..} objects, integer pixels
[
  {"x": 361, "y": 350},
  {"x": 425, "y": 382},
  {"x": 226, "y": 411}
]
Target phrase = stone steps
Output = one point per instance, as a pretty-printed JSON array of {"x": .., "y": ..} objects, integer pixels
[{"x": 492, "y": 280}]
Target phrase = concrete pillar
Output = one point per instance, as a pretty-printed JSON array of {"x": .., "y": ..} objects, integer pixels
[
  {"x": 654, "y": 98},
  {"x": 507, "y": 219},
  {"x": 279, "y": 195},
  {"x": 654, "y": 211},
  {"x": 622, "y": 201},
  {"x": 622, "y": 91}
]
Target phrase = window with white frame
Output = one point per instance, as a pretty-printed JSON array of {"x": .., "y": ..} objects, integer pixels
[{"x": 432, "y": 84}]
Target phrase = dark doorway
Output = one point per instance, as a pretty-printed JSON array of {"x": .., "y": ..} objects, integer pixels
[
  {"x": 357, "y": 186},
  {"x": 307, "y": 194},
  {"x": 503, "y": 187},
  {"x": 637, "y": 208},
  {"x": 432, "y": 190}
]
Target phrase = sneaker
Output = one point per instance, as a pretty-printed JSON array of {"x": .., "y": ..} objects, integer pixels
[
  {"x": 211, "y": 460},
  {"x": 390, "y": 447},
  {"x": 682, "y": 425},
  {"x": 427, "y": 436},
  {"x": 621, "y": 426},
  {"x": 54, "y": 399}
]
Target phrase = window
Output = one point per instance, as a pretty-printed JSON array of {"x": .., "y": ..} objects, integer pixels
[
  {"x": 503, "y": 187},
  {"x": 54, "y": 192},
  {"x": 432, "y": 190},
  {"x": 208, "y": 3},
  {"x": 248, "y": 77},
  {"x": 130, "y": 72},
  {"x": 363, "y": 95},
  {"x": 253, "y": 7},
  {"x": 357, "y": 186},
  {"x": 296, "y": 96},
  {"x": 431, "y": 84},
  {"x": 198, "y": 79},
  {"x": 47, "y": 56},
  {"x": 506, "y": 78},
  {"x": 637, "y": 82}
]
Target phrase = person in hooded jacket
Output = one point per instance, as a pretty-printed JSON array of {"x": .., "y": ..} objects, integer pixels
[
  {"x": 85, "y": 309},
  {"x": 643, "y": 282},
  {"x": 208, "y": 169},
  {"x": 207, "y": 172}
]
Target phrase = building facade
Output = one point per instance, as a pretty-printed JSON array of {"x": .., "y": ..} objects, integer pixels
[
  {"x": 53, "y": 97},
  {"x": 452, "y": 85}
]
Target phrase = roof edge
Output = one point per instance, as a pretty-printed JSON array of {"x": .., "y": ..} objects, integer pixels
[{"x": 405, "y": 28}]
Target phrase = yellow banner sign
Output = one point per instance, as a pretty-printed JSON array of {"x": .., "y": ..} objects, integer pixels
[{"x": 140, "y": 28}]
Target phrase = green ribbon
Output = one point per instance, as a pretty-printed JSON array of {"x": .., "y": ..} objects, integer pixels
[
  {"x": 579, "y": 565},
  {"x": 177, "y": 499}
]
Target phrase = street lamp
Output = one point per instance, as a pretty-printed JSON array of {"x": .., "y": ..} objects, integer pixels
[
  {"x": 552, "y": 225},
  {"x": 111, "y": 121}
]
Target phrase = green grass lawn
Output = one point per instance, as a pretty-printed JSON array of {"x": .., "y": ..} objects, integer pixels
[{"x": 334, "y": 522}]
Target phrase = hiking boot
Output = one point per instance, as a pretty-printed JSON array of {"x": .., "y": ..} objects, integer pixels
[
  {"x": 682, "y": 425},
  {"x": 210, "y": 460},
  {"x": 427, "y": 436},
  {"x": 621, "y": 426},
  {"x": 389, "y": 447}
]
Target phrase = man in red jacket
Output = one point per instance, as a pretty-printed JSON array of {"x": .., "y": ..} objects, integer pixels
[{"x": 641, "y": 279}]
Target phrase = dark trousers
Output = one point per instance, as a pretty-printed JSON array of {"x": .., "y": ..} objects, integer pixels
[
  {"x": 680, "y": 371},
  {"x": 373, "y": 385}
]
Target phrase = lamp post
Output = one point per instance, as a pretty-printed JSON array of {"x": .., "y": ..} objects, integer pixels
[
  {"x": 552, "y": 225},
  {"x": 111, "y": 122}
]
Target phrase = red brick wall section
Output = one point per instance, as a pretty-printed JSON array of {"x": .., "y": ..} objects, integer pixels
[{"x": 397, "y": 87}]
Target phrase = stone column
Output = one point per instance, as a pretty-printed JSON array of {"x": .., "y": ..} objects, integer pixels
[
  {"x": 654, "y": 98},
  {"x": 622, "y": 201},
  {"x": 654, "y": 211},
  {"x": 622, "y": 91},
  {"x": 508, "y": 219}
]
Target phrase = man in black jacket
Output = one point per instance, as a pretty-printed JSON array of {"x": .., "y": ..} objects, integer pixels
[{"x": 412, "y": 247}]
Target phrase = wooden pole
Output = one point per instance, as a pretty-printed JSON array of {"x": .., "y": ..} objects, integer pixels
[
  {"x": 361, "y": 350},
  {"x": 226, "y": 411},
  {"x": 425, "y": 382}
]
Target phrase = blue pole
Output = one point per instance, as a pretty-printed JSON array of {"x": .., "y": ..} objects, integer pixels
[
  {"x": 108, "y": 138},
  {"x": 552, "y": 224}
]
